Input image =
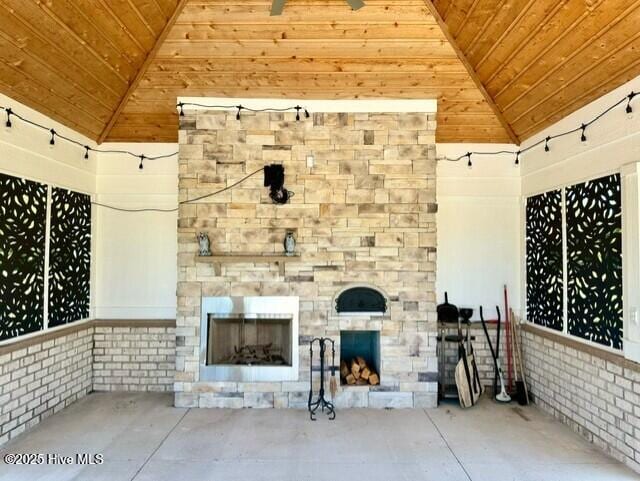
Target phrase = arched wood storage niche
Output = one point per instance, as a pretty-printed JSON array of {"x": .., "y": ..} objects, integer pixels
[{"x": 361, "y": 299}]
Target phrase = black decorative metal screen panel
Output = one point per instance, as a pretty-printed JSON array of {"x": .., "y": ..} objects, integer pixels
[
  {"x": 544, "y": 259},
  {"x": 69, "y": 257},
  {"x": 361, "y": 299},
  {"x": 594, "y": 261},
  {"x": 23, "y": 212}
]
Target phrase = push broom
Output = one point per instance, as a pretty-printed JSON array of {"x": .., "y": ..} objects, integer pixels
[{"x": 502, "y": 396}]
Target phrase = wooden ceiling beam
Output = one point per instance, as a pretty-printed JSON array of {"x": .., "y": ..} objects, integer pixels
[
  {"x": 472, "y": 73},
  {"x": 143, "y": 69}
]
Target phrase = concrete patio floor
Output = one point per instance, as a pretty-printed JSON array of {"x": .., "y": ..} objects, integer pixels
[{"x": 142, "y": 437}]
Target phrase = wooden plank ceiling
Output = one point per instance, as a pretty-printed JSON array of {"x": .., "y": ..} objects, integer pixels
[
  {"x": 540, "y": 60},
  {"x": 316, "y": 49},
  {"x": 112, "y": 69},
  {"x": 73, "y": 60}
]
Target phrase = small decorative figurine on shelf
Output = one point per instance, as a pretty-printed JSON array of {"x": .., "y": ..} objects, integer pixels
[
  {"x": 204, "y": 244},
  {"x": 289, "y": 244}
]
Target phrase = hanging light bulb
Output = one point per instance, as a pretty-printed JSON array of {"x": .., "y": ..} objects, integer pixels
[
  {"x": 8, "y": 122},
  {"x": 517, "y": 162},
  {"x": 238, "y": 114},
  {"x": 180, "y": 104},
  {"x": 141, "y": 166},
  {"x": 546, "y": 144},
  {"x": 86, "y": 152},
  {"x": 52, "y": 141},
  {"x": 469, "y": 163},
  {"x": 306, "y": 113},
  {"x": 629, "y": 109},
  {"x": 583, "y": 136},
  {"x": 298, "y": 113}
]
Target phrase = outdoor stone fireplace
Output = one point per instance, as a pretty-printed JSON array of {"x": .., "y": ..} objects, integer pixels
[{"x": 363, "y": 214}]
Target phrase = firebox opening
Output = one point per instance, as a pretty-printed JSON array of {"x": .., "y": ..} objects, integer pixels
[
  {"x": 249, "y": 340},
  {"x": 359, "y": 357}
]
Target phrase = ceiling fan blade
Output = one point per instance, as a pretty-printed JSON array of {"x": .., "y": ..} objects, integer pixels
[
  {"x": 276, "y": 7},
  {"x": 355, "y": 4}
]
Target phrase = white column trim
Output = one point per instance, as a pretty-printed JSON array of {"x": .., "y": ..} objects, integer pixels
[
  {"x": 47, "y": 249},
  {"x": 630, "y": 186},
  {"x": 565, "y": 262}
]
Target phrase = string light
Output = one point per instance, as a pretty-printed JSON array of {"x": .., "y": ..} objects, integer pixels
[
  {"x": 55, "y": 135},
  {"x": 629, "y": 109},
  {"x": 582, "y": 128},
  {"x": 297, "y": 108},
  {"x": 627, "y": 99}
]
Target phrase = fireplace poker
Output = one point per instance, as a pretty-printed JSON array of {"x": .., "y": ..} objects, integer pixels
[{"x": 333, "y": 382}]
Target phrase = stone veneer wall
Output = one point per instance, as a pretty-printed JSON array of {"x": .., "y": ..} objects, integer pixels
[
  {"x": 595, "y": 392},
  {"x": 364, "y": 214},
  {"x": 43, "y": 378},
  {"x": 134, "y": 358}
]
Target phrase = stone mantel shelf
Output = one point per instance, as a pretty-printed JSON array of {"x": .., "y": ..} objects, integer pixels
[{"x": 218, "y": 259}]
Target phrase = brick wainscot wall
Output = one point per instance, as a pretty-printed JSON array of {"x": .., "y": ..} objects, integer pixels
[
  {"x": 593, "y": 390},
  {"x": 41, "y": 374}
]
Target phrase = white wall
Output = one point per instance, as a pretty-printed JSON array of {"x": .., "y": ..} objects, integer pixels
[
  {"x": 478, "y": 228},
  {"x": 613, "y": 145},
  {"x": 133, "y": 255},
  {"x": 25, "y": 152},
  {"x": 136, "y": 252},
  {"x": 611, "y": 142}
]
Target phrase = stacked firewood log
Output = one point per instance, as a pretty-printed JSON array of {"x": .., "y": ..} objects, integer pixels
[{"x": 357, "y": 372}]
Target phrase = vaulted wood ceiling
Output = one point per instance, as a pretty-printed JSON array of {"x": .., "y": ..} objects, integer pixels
[
  {"x": 502, "y": 70},
  {"x": 540, "y": 60},
  {"x": 315, "y": 49},
  {"x": 74, "y": 60}
]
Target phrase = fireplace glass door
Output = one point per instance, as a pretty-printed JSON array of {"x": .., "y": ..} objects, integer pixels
[{"x": 249, "y": 340}]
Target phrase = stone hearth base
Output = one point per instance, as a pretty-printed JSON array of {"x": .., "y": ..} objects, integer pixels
[{"x": 295, "y": 395}]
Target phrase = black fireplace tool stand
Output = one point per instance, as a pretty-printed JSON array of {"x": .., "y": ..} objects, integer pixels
[{"x": 320, "y": 401}]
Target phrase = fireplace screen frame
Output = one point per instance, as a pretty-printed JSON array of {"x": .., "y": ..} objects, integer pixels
[{"x": 249, "y": 307}]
